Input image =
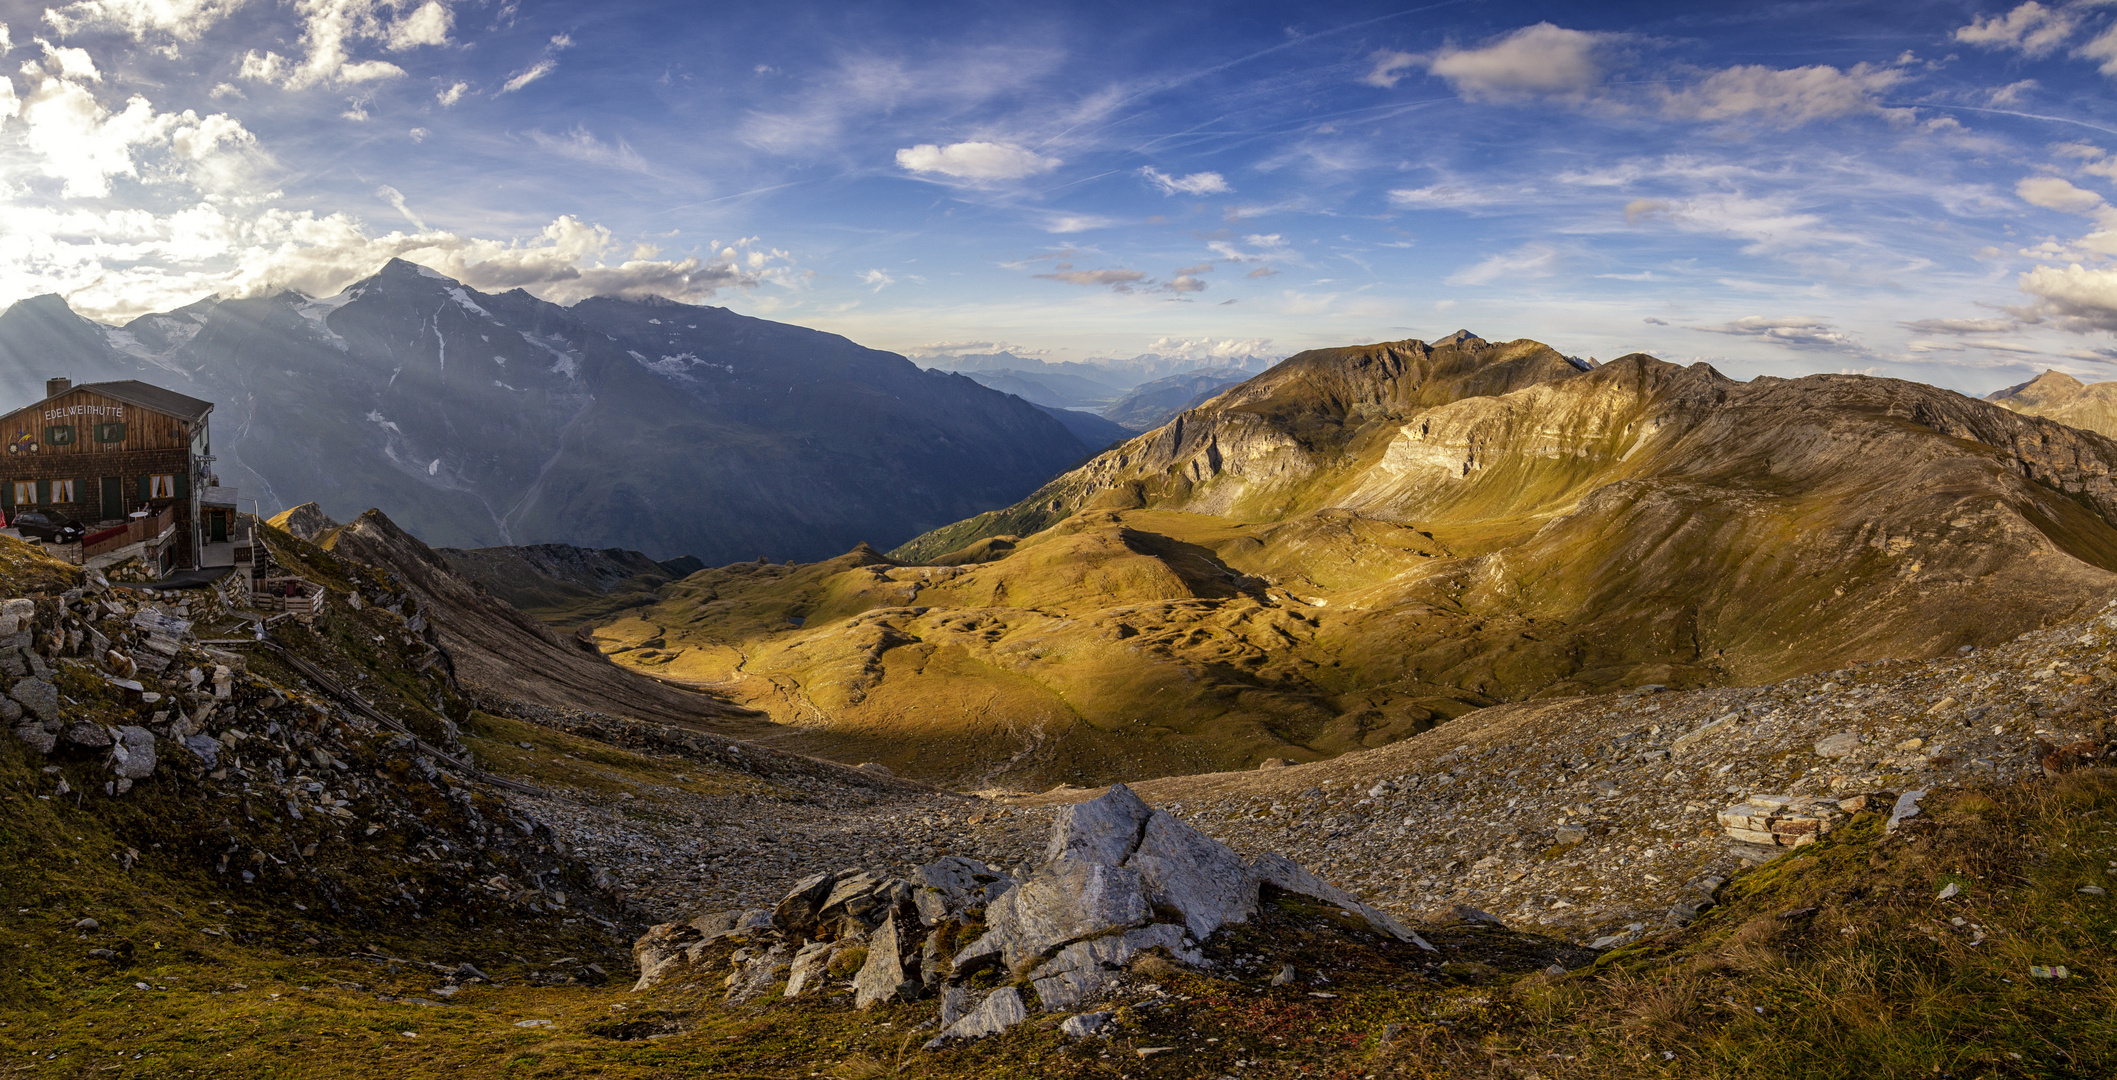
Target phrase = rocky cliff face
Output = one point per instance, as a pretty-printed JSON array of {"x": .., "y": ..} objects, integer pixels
[
  {"x": 1362, "y": 542},
  {"x": 483, "y": 420}
]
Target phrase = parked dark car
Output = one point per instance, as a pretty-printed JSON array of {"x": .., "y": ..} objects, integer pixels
[{"x": 35, "y": 526}]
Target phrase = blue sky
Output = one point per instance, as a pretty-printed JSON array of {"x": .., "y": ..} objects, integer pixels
[{"x": 1916, "y": 190}]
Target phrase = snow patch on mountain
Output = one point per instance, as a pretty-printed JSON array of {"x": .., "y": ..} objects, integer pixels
[
  {"x": 125, "y": 342},
  {"x": 463, "y": 299},
  {"x": 564, "y": 360},
  {"x": 318, "y": 311}
]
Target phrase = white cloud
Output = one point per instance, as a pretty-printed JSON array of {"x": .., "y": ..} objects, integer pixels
[
  {"x": 2012, "y": 93},
  {"x": 976, "y": 161},
  {"x": 1390, "y": 66},
  {"x": 1992, "y": 345},
  {"x": 1441, "y": 197},
  {"x": 418, "y": 134},
  {"x": 580, "y": 145},
  {"x": 1961, "y": 326},
  {"x": 1796, "y": 332},
  {"x": 6, "y": 43},
  {"x": 2031, "y": 29},
  {"x": 1545, "y": 62},
  {"x": 428, "y": 25},
  {"x": 396, "y": 199},
  {"x": 1073, "y": 223},
  {"x": 331, "y": 29},
  {"x": 1202, "y": 183},
  {"x": 2057, "y": 193},
  {"x": 879, "y": 279},
  {"x": 959, "y": 348},
  {"x": 2074, "y": 297},
  {"x": 73, "y": 138},
  {"x": 115, "y": 261},
  {"x": 2103, "y": 48},
  {"x": 1207, "y": 348},
  {"x": 70, "y": 63},
  {"x": 183, "y": 20},
  {"x": 1267, "y": 247},
  {"x": 862, "y": 86},
  {"x": 1786, "y": 97},
  {"x": 1540, "y": 61},
  {"x": 528, "y": 75},
  {"x": 565, "y": 263},
  {"x": 1119, "y": 280},
  {"x": 452, "y": 94},
  {"x": 1527, "y": 261}
]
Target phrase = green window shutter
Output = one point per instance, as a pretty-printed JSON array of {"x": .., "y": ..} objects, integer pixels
[
  {"x": 183, "y": 484},
  {"x": 7, "y": 495},
  {"x": 146, "y": 488},
  {"x": 44, "y": 493}
]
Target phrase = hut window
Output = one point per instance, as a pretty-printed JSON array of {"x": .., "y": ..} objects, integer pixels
[
  {"x": 25, "y": 492},
  {"x": 110, "y": 433},
  {"x": 63, "y": 435},
  {"x": 161, "y": 487},
  {"x": 62, "y": 491}
]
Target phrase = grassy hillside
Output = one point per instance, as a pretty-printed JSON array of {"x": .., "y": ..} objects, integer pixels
[{"x": 1364, "y": 542}]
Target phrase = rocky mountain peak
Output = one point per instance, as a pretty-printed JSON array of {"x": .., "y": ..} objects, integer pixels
[{"x": 2051, "y": 388}]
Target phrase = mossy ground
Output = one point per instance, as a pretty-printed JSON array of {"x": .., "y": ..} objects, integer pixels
[{"x": 1837, "y": 961}]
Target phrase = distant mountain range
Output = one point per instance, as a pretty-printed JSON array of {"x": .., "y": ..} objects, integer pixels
[
  {"x": 1117, "y": 373},
  {"x": 1135, "y": 395},
  {"x": 478, "y": 420},
  {"x": 1152, "y": 404}
]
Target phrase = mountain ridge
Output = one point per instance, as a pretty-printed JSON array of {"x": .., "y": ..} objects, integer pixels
[
  {"x": 484, "y": 419},
  {"x": 1365, "y": 542}
]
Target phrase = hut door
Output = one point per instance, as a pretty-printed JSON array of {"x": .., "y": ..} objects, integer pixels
[
  {"x": 113, "y": 498},
  {"x": 220, "y": 527}
]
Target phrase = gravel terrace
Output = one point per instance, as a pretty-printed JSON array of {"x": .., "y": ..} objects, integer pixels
[{"x": 1581, "y": 816}]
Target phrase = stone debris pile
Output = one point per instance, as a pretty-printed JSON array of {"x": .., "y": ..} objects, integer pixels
[
  {"x": 1118, "y": 878},
  {"x": 1786, "y": 821},
  {"x": 116, "y": 683}
]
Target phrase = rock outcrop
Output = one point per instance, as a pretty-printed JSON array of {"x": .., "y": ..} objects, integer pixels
[
  {"x": 1119, "y": 879},
  {"x": 306, "y": 522}
]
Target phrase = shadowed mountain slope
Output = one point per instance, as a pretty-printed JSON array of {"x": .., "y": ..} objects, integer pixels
[
  {"x": 496, "y": 647},
  {"x": 1364, "y": 541},
  {"x": 566, "y": 584},
  {"x": 484, "y": 420}
]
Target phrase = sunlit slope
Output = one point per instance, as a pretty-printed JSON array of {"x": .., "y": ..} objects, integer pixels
[
  {"x": 1362, "y": 542},
  {"x": 2055, "y": 395}
]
